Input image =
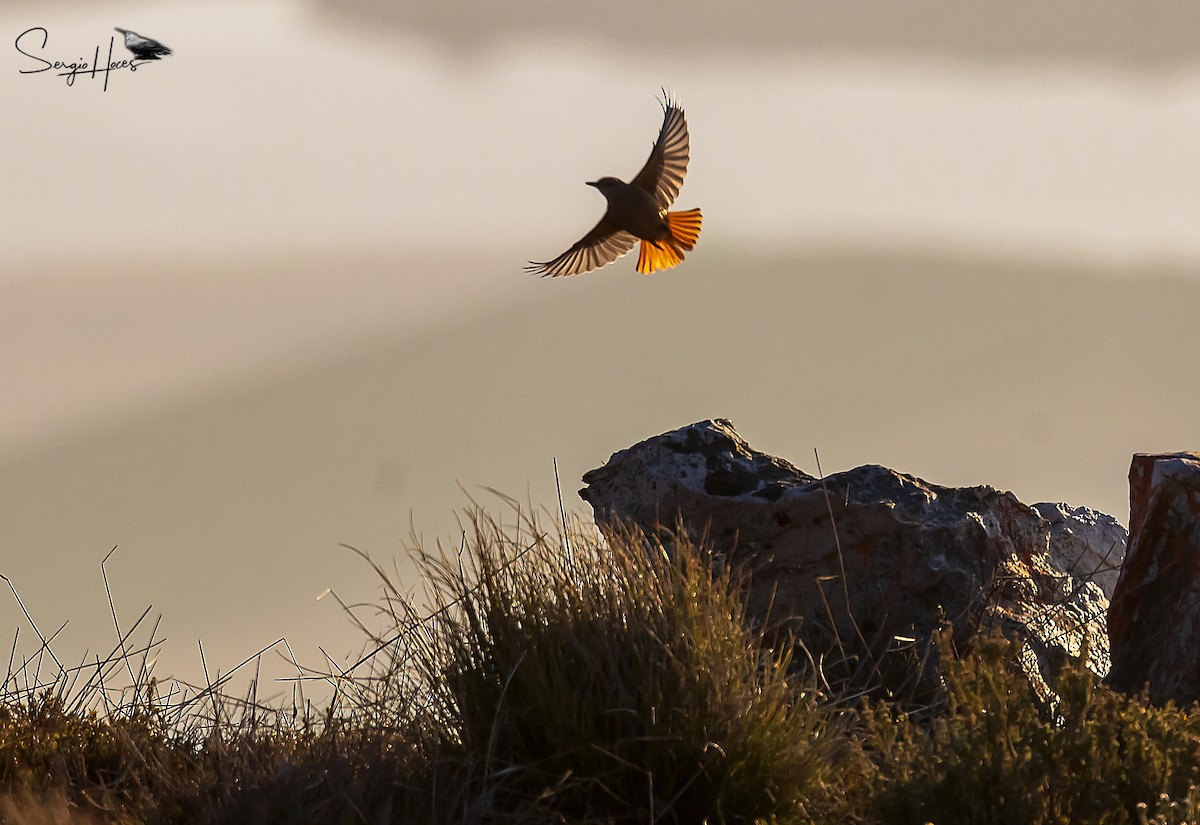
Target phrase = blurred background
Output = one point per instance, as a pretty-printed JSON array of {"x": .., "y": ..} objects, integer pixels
[{"x": 265, "y": 297}]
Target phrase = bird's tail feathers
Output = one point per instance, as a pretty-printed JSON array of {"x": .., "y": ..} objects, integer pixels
[
  {"x": 685, "y": 230},
  {"x": 684, "y": 227},
  {"x": 656, "y": 255}
]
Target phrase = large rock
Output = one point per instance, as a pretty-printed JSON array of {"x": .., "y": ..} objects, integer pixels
[
  {"x": 868, "y": 554},
  {"x": 1154, "y": 621},
  {"x": 1086, "y": 543}
]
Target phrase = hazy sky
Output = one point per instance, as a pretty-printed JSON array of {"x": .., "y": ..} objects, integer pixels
[
  {"x": 320, "y": 134},
  {"x": 265, "y": 295}
]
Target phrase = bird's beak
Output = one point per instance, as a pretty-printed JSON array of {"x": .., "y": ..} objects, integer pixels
[
  {"x": 122, "y": 31},
  {"x": 595, "y": 183}
]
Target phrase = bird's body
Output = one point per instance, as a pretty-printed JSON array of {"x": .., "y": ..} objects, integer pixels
[
  {"x": 633, "y": 208},
  {"x": 143, "y": 48},
  {"x": 637, "y": 211}
]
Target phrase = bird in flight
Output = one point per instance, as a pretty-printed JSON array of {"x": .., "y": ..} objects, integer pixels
[
  {"x": 143, "y": 48},
  {"x": 637, "y": 211}
]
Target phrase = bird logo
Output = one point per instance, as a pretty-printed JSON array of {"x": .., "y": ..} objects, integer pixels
[
  {"x": 143, "y": 48},
  {"x": 637, "y": 211}
]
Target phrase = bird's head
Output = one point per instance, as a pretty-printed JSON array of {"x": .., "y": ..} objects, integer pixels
[{"x": 605, "y": 184}]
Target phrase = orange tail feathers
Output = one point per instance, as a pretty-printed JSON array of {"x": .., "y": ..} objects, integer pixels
[
  {"x": 685, "y": 231},
  {"x": 685, "y": 227}
]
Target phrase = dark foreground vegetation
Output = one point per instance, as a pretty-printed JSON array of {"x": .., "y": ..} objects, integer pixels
[{"x": 565, "y": 678}]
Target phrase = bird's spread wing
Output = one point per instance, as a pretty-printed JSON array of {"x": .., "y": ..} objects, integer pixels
[
  {"x": 662, "y": 176},
  {"x": 603, "y": 245}
]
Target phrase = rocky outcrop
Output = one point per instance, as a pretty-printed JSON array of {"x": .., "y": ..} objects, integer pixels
[
  {"x": 867, "y": 555},
  {"x": 1086, "y": 543},
  {"x": 1154, "y": 620}
]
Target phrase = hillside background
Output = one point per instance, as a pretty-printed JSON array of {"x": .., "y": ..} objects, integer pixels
[{"x": 266, "y": 297}]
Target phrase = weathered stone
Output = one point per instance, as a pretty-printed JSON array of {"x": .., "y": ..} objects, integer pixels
[
  {"x": 1154, "y": 621},
  {"x": 869, "y": 554},
  {"x": 1086, "y": 543}
]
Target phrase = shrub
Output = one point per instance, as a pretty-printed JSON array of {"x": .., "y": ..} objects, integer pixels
[{"x": 996, "y": 754}]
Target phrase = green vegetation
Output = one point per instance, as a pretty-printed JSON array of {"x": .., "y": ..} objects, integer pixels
[{"x": 569, "y": 678}]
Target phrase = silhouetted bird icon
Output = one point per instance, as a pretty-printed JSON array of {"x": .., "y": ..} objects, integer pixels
[
  {"x": 143, "y": 48},
  {"x": 638, "y": 211}
]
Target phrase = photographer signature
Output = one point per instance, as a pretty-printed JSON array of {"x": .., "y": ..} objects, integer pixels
[{"x": 27, "y": 44}]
